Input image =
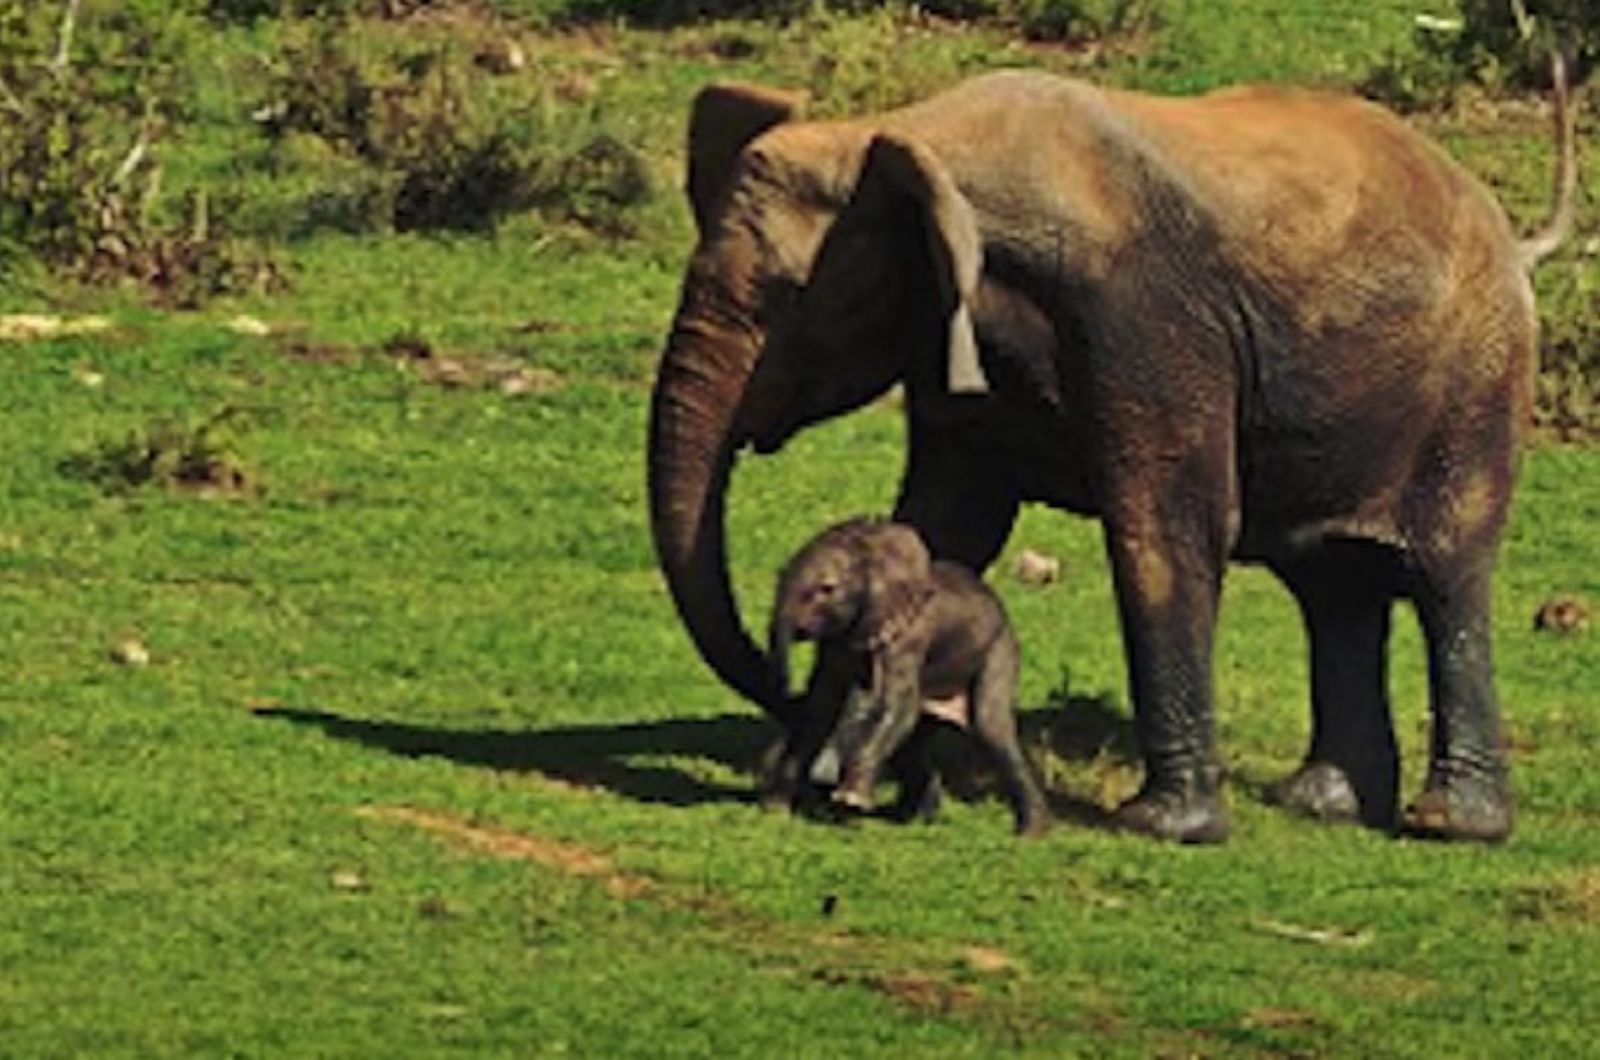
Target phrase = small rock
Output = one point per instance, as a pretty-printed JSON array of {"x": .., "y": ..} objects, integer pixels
[
  {"x": 130, "y": 651},
  {"x": 26, "y": 327},
  {"x": 1562, "y": 614},
  {"x": 526, "y": 381},
  {"x": 1036, "y": 568},
  {"x": 249, "y": 325},
  {"x": 988, "y": 960},
  {"x": 345, "y": 880},
  {"x": 448, "y": 372}
]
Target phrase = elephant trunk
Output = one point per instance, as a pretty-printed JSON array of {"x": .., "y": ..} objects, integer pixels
[{"x": 693, "y": 437}]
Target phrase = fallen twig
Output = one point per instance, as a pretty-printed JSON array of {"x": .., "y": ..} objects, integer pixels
[{"x": 1319, "y": 936}]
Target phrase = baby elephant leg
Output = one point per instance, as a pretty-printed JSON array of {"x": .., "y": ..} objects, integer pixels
[
  {"x": 871, "y": 731},
  {"x": 994, "y": 724},
  {"x": 919, "y": 795}
]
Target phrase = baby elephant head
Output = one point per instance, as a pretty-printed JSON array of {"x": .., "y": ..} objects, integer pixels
[{"x": 849, "y": 581}]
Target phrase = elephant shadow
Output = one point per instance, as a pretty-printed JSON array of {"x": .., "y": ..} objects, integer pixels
[
  {"x": 639, "y": 760},
  {"x": 628, "y": 759}
]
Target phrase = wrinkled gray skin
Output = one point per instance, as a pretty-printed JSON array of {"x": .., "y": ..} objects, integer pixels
[
  {"x": 1261, "y": 325},
  {"x": 894, "y": 631}
]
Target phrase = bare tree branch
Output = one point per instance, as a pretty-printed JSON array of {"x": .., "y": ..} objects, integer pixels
[
  {"x": 1519, "y": 11},
  {"x": 9, "y": 98},
  {"x": 69, "y": 21},
  {"x": 134, "y": 157}
]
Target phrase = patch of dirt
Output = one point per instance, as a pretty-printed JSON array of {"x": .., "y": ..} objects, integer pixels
[
  {"x": 988, "y": 960},
  {"x": 1268, "y": 1018},
  {"x": 1562, "y": 614},
  {"x": 1585, "y": 890},
  {"x": 35, "y": 327},
  {"x": 1572, "y": 897},
  {"x": 926, "y": 979},
  {"x": 569, "y": 858},
  {"x": 320, "y": 352},
  {"x": 508, "y": 375}
]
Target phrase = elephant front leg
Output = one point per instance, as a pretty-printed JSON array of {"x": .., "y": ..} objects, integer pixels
[
  {"x": 1467, "y": 795},
  {"x": 956, "y": 496},
  {"x": 1352, "y": 770},
  {"x": 1167, "y": 598},
  {"x": 873, "y": 728}
]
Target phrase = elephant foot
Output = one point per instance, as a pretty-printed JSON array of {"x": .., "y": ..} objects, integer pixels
[
  {"x": 853, "y": 795},
  {"x": 1033, "y": 822},
  {"x": 1325, "y": 792},
  {"x": 1460, "y": 806},
  {"x": 1181, "y": 815},
  {"x": 784, "y": 788},
  {"x": 917, "y": 805}
]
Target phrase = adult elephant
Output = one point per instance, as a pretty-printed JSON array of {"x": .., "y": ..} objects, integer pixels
[{"x": 1264, "y": 325}]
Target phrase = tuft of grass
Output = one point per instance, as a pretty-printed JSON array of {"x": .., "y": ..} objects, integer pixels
[{"x": 199, "y": 457}]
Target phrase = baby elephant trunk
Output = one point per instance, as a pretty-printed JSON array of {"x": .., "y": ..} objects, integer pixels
[{"x": 780, "y": 637}]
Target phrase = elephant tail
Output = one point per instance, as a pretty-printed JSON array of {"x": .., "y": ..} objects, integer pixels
[{"x": 1548, "y": 239}]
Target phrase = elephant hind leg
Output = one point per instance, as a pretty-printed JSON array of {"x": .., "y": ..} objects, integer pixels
[
  {"x": 1467, "y": 793},
  {"x": 994, "y": 726},
  {"x": 1351, "y": 771}
]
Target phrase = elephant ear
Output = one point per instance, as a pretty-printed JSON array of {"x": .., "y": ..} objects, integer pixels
[
  {"x": 955, "y": 247},
  {"x": 899, "y": 579},
  {"x": 723, "y": 120}
]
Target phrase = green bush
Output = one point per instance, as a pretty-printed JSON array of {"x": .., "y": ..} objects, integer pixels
[
  {"x": 1511, "y": 40},
  {"x": 88, "y": 96},
  {"x": 255, "y": 10},
  {"x": 445, "y": 143},
  {"x": 83, "y": 105},
  {"x": 1496, "y": 44},
  {"x": 1083, "y": 21}
]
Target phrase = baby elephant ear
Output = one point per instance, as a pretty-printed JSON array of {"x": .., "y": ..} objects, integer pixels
[
  {"x": 898, "y": 572},
  {"x": 955, "y": 246},
  {"x": 724, "y": 119}
]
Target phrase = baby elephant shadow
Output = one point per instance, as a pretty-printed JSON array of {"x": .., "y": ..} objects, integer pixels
[
  {"x": 626, "y": 759},
  {"x": 1075, "y": 743},
  {"x": 630, "y": 759}
]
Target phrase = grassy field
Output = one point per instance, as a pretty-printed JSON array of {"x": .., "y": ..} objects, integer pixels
[{"x": 380, "y": 737}]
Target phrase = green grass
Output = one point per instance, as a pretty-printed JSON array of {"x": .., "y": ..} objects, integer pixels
[{"x": 422, "y": 762}]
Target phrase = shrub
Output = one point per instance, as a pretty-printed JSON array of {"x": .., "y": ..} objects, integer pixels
[
  {"x": 1511, "y": 40},
  {"x": 254, "y": 10},
  {"x": 87, "y": 97},
  {"x": 446, "y": 143},
  {"x": 1084, "y": 21},
  {"x": 1495, "y": 43},
  {"x": 200, "y": 456}
]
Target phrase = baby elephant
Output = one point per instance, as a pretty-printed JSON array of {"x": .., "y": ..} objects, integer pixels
[{"x": 901, "y": 640}]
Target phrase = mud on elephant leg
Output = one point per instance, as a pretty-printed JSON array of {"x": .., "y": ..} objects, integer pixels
[
  {"x": 1466, "y": 795},
  {"x": 1167, "y": 598},
  {"x": 1352, "y": 770}
]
